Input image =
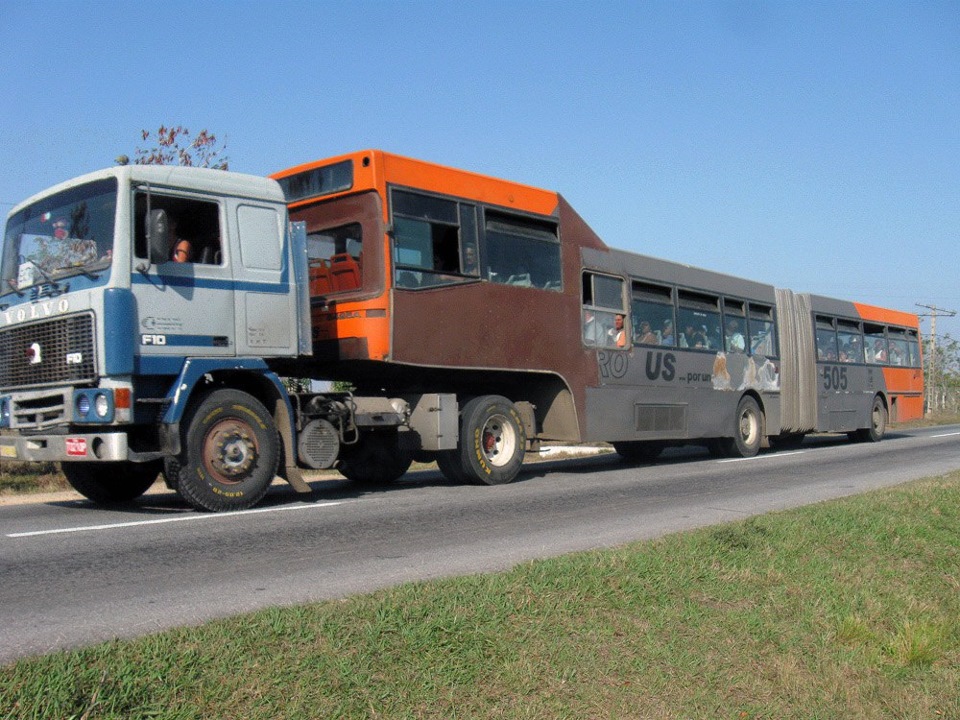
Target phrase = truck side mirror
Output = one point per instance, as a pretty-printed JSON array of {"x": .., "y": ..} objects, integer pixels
[{"x": 158, "y": 229}]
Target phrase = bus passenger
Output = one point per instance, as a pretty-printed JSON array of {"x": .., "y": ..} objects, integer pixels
[
  {"x": 593, "y": 332},
  {"x": 735, "y": 341},
  {"x": 647, "y": 336},
  {"x": 693, "y": 338},
  {"x": 667, "y": 337},
  {"x": 879, "y": 352},
  {"x": 618, "y": 335}
]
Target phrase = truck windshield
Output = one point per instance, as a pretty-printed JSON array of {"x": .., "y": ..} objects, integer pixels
[{"x": 66, "y": 234}]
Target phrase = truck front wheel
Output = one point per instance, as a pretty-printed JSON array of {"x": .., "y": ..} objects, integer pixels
[
  {"x": 111, "y": 483},
  {"x": 231, "y": 451}
]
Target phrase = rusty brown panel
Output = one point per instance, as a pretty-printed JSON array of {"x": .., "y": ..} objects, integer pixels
[{"x": 486, "y": 325}]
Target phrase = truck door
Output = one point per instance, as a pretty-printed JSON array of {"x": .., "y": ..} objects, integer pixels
[
  {"x": 265, "y": 301},
  {"x": 185, "y": 305}
]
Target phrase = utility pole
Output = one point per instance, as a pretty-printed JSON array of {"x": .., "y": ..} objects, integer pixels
[{"x": 933, "y": 398}]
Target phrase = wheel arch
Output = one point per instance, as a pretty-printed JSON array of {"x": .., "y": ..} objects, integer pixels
[
  {"x": 750, "y": 392},
  {"x": 199, "y": 376}
]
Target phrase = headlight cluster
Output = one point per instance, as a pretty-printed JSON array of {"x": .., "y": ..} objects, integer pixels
[
  {"x": 5, "y": 412},
  {"x": 93, "y": 406}
]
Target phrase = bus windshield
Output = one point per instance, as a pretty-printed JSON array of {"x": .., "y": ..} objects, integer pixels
[{"x": 66, "y": 234}]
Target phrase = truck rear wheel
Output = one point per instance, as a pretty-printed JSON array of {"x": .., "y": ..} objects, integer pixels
[
  {"x": 376, "y": 459},
  {"x": 231, "y": 451},
  {"x": 113, "y": 482},
  {"x": 492, "y": 440}
]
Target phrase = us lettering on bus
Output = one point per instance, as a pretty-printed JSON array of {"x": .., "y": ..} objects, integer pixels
[{"x": 661, "y": 366}]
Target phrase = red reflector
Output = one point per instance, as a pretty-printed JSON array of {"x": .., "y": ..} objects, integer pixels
[{"x": 121, "y": 398}]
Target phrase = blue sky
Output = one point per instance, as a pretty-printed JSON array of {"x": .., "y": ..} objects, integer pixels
[{"x": 810, "y": 145}]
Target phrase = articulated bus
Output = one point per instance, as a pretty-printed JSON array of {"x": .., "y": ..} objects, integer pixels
[{"x": 428, "y": 279}]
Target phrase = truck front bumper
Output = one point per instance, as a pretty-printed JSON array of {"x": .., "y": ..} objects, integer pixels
[{"x": 76, "y": 447}]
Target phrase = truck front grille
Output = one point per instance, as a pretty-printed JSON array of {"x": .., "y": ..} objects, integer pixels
[{"x": 50, "y": 352}]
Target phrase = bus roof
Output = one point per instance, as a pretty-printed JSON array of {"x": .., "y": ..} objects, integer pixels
[{"x": 374, "y": 169}]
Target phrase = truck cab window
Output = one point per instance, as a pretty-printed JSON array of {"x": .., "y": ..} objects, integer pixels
[{"x": 193, "y": 228}]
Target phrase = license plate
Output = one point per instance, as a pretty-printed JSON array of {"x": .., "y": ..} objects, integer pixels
[
  {"x": 76, "y": 447},
  {"x": 8, "y": 451}
]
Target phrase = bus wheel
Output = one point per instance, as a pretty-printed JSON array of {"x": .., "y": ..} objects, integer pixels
[
  {"x": 231, "y": 452},
  {"x": 638, "y": 451},
  {"x": 878, "y": 423},
  {"x": 110, "y": 483},
  {"x": 492, "y": 440},
  {"x": 375, "y": 459},
  {"x": 748, "y": 430}
]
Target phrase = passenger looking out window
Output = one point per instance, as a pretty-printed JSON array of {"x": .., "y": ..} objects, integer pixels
[
  {"x": 735, "y": 341},
  {"x": 618, "y": 335}
]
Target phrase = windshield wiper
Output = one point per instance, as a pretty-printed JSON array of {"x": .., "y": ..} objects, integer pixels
[
  {"x": 13, "y": 287},
  {"x": 50, "y": 281}
]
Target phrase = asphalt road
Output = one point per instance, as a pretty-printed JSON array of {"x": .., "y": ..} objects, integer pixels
[{"x": 72, "y": 574}]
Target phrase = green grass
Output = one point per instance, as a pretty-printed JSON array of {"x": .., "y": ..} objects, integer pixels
[
  {"x": 845, "y": 609},
  {"x": 18, "y": 478}
]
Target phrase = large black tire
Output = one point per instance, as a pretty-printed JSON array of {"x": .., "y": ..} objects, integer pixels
[
  {"x": 640, "y": 451},
  {"x": 747, "y": 430},
  {"x": 493, "y": 441},
  {"x": 231, "y": 451},
  {"x": 376, "y": 459},
  {"x": 450, "y": 464},
  {"x": 111, "y": 483},
  {"x": 878, "y": 423}
]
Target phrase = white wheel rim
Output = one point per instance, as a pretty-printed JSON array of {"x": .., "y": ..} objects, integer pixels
[{"x": 498, "y": 440}]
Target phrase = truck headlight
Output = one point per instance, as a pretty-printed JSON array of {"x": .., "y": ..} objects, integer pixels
[
  {"x": 91, "y": 405},
  {"x": 101, "y": 404},
  {"x": 5, "y": 412}
]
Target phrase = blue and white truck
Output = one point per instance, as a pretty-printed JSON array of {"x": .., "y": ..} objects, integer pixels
[{"x": 122, "y": 364}]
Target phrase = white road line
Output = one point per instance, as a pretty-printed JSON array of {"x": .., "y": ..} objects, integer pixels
[
  {"x": 946, "y": 435},
  {"x": 179, "y": 518},
  {"x": 771, "y": 456}
]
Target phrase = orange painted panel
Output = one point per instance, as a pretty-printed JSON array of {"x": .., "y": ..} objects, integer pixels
[
  {"x": 374, "y": 169},
  {"x": 887, "y": 316}
]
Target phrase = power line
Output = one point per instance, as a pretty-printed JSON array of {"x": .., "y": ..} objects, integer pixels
[{"x": 933, "y": 398}]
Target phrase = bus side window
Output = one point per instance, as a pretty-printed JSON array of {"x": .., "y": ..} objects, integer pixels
[
  {"x": 604, "y": 315},
  {"x": 652, "y": 307},
  {"x": 826, "y": 339},
  {"x": 427, "y": 240},
  {"x": 698, "y": 319},
  {"x": 875, "y": 343},
  {"x": 850, "y": 341},
  {"x": 521, "y": 251},
  {"x": 763, "y": 334},
  {"x": 734, "y": 326},
  {"x": 898, "y": 349},
  {"x": 914, "y": 348}
]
